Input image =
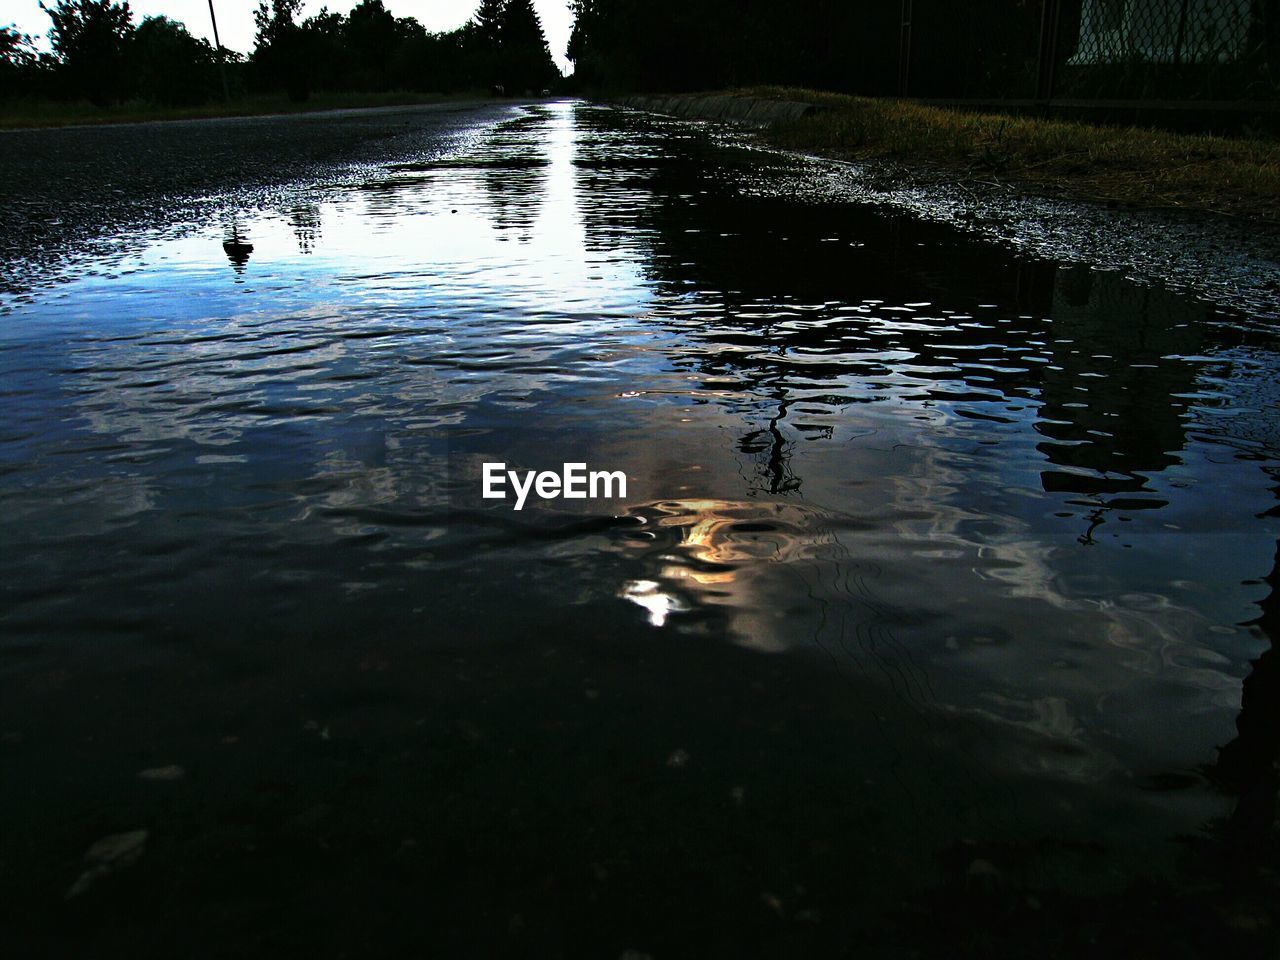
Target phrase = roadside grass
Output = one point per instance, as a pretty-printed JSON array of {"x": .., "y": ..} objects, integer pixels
[
  {"x": 45, "y": 113},
  {"x": 1124, "y": 164}
]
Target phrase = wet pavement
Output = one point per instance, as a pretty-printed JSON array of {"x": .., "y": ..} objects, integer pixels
[{"x": 943, "y": 571}]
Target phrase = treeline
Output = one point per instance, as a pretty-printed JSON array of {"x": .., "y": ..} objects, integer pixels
[
  {"x": 845, "y": 45},
  {"x": 671, "y": 45},
  {"x": 929, "y": 48},
  {"x": 372, "y": 50},
  {"x": 101, "y": 55}
]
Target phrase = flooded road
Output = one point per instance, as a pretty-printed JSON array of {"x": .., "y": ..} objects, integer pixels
[{"x": 937, "y": 586}]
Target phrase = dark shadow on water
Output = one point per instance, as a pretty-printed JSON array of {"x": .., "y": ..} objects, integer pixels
[
  {"x": 515, "y": 181},
  {"x": 236, "y": 246},
  {"x": 1246, "y": 766}
]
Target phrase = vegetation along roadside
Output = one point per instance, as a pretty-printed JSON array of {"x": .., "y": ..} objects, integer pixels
[{"x": 1238, "y": 176}]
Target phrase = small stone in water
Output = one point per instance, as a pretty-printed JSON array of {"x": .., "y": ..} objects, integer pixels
[
  {"x": 772, "y": 902},
  {"x": 106, "y": 856},
  {"x": 171, "y": 772},
  {"x": 985, "y": 873}
]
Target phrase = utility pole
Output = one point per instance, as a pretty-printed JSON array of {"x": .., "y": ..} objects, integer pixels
[
  {"x": 222, "y": 63},
  {"x": 1047, "y": 62},
  {"x": 904, "y": 48}
]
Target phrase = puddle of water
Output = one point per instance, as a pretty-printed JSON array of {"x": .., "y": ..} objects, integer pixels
[{"x": 924, "y": 544}]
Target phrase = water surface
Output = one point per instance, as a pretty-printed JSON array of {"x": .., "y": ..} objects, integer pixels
[{"x": 932, "y": 555}]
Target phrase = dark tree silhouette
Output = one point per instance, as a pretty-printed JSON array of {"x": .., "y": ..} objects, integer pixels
[
  {"x": 171, "y": 66},
  {"x": 372, "y": 33},
  {"x": 703, "y": 44},
  {"x": 18, "y": 62},
  {"x": 488, "y": 21},
  {"x": 100, "y": 55},
  {"x": 330, "y": 64},
  {"x": 16, "y": 49},
  {"x": 91, "y": 39},
  {"x": 280, "y": 57},
  {"x": 415, "y": 64},
  {"x": 484, "y": 38},
  {"x": 526, "y": 62}
]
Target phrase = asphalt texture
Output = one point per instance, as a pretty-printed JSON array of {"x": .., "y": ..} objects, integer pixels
[{"x": 68, "y": 191}]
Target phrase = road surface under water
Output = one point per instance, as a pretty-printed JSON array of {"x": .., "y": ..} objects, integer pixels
[{"x": 934, "y": 592}]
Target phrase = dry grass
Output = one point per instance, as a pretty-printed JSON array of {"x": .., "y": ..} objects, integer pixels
[{"x": 1128, "y": 164}]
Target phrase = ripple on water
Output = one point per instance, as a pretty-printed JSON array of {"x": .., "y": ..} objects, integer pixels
[{"x": 1026, "y": 503}]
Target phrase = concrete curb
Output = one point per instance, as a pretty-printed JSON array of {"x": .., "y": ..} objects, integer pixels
[{"x": 751, "y": 111}]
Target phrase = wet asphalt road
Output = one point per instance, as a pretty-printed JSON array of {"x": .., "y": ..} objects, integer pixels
[
  {"x": 65, "y": 188},
  {"x": 1231, "y": 262},
  {"x": 75, "y": 190}
]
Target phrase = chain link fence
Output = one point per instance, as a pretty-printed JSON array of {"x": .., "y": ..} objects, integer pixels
[{"x": 1130, "y": 52}]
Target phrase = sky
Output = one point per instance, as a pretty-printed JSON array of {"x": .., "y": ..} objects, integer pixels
[{"x": 235, "y": 17}]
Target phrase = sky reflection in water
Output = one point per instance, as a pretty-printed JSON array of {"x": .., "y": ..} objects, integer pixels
[{"x": 1024, "y": 497}]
